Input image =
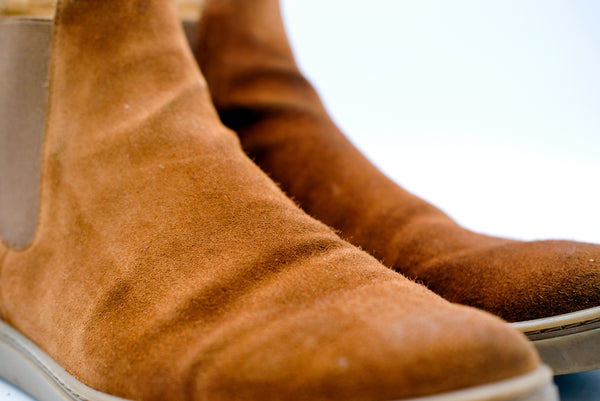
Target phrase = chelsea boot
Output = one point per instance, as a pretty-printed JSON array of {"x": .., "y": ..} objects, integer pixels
[{"x": 551, "y": 288}]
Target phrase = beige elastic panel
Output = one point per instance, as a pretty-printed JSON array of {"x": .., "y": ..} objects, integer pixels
[{"x": 24, "y": 55}]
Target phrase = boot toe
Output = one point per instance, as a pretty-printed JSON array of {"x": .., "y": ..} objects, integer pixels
[
  {"x": 359, "y": 347},
  {"x": 524, "y": 280}
]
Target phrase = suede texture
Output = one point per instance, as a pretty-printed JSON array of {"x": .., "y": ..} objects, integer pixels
[
  {"x": 167, "y": 266},
  {"x": 260, "y": 93}
]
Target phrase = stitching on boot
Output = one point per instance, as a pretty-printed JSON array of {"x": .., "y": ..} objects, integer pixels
[{"x": 559, "y": 331}]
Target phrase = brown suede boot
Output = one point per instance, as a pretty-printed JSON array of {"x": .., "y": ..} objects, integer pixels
[
  {"x": 259, "y": 92},
  {"x": 164, "y": 265}
]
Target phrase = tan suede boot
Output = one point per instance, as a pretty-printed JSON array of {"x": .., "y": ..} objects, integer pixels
[
  {"x": 259, "y": 92},
  {"x": 164, "y": 265}
]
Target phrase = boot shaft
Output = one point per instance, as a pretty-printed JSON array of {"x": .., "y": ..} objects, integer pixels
[
  {"x": 23, "y": 102},
  {"x": 237, "y": 42}
]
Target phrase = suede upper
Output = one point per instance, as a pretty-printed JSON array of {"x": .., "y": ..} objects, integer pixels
[
  {"x": 260, "y": 93},
  {"x": 167, "y": 266}
]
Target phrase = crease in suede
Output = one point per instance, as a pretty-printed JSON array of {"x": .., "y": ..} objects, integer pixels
[
  {"x": 260, "y": 92},
  {"x": 167, "y": 266}
]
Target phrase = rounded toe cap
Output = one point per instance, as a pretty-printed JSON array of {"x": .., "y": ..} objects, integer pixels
[
  {"x": 402, "y": 342},
  {"x": 522, "y": 280}
]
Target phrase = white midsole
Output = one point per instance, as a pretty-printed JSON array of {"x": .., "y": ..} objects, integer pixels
[
  {"x": 568, "y": 343},
  {"x": 25, "y": 365},
  {"x": 558, "y": 321}
]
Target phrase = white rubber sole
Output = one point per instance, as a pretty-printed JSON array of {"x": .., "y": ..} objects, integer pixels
[
  {"x": 26, "y": 366},
  {"x": 568, "y": 343}
]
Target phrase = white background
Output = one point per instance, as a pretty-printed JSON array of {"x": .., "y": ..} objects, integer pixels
[{"x": 488, "y": 109}]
